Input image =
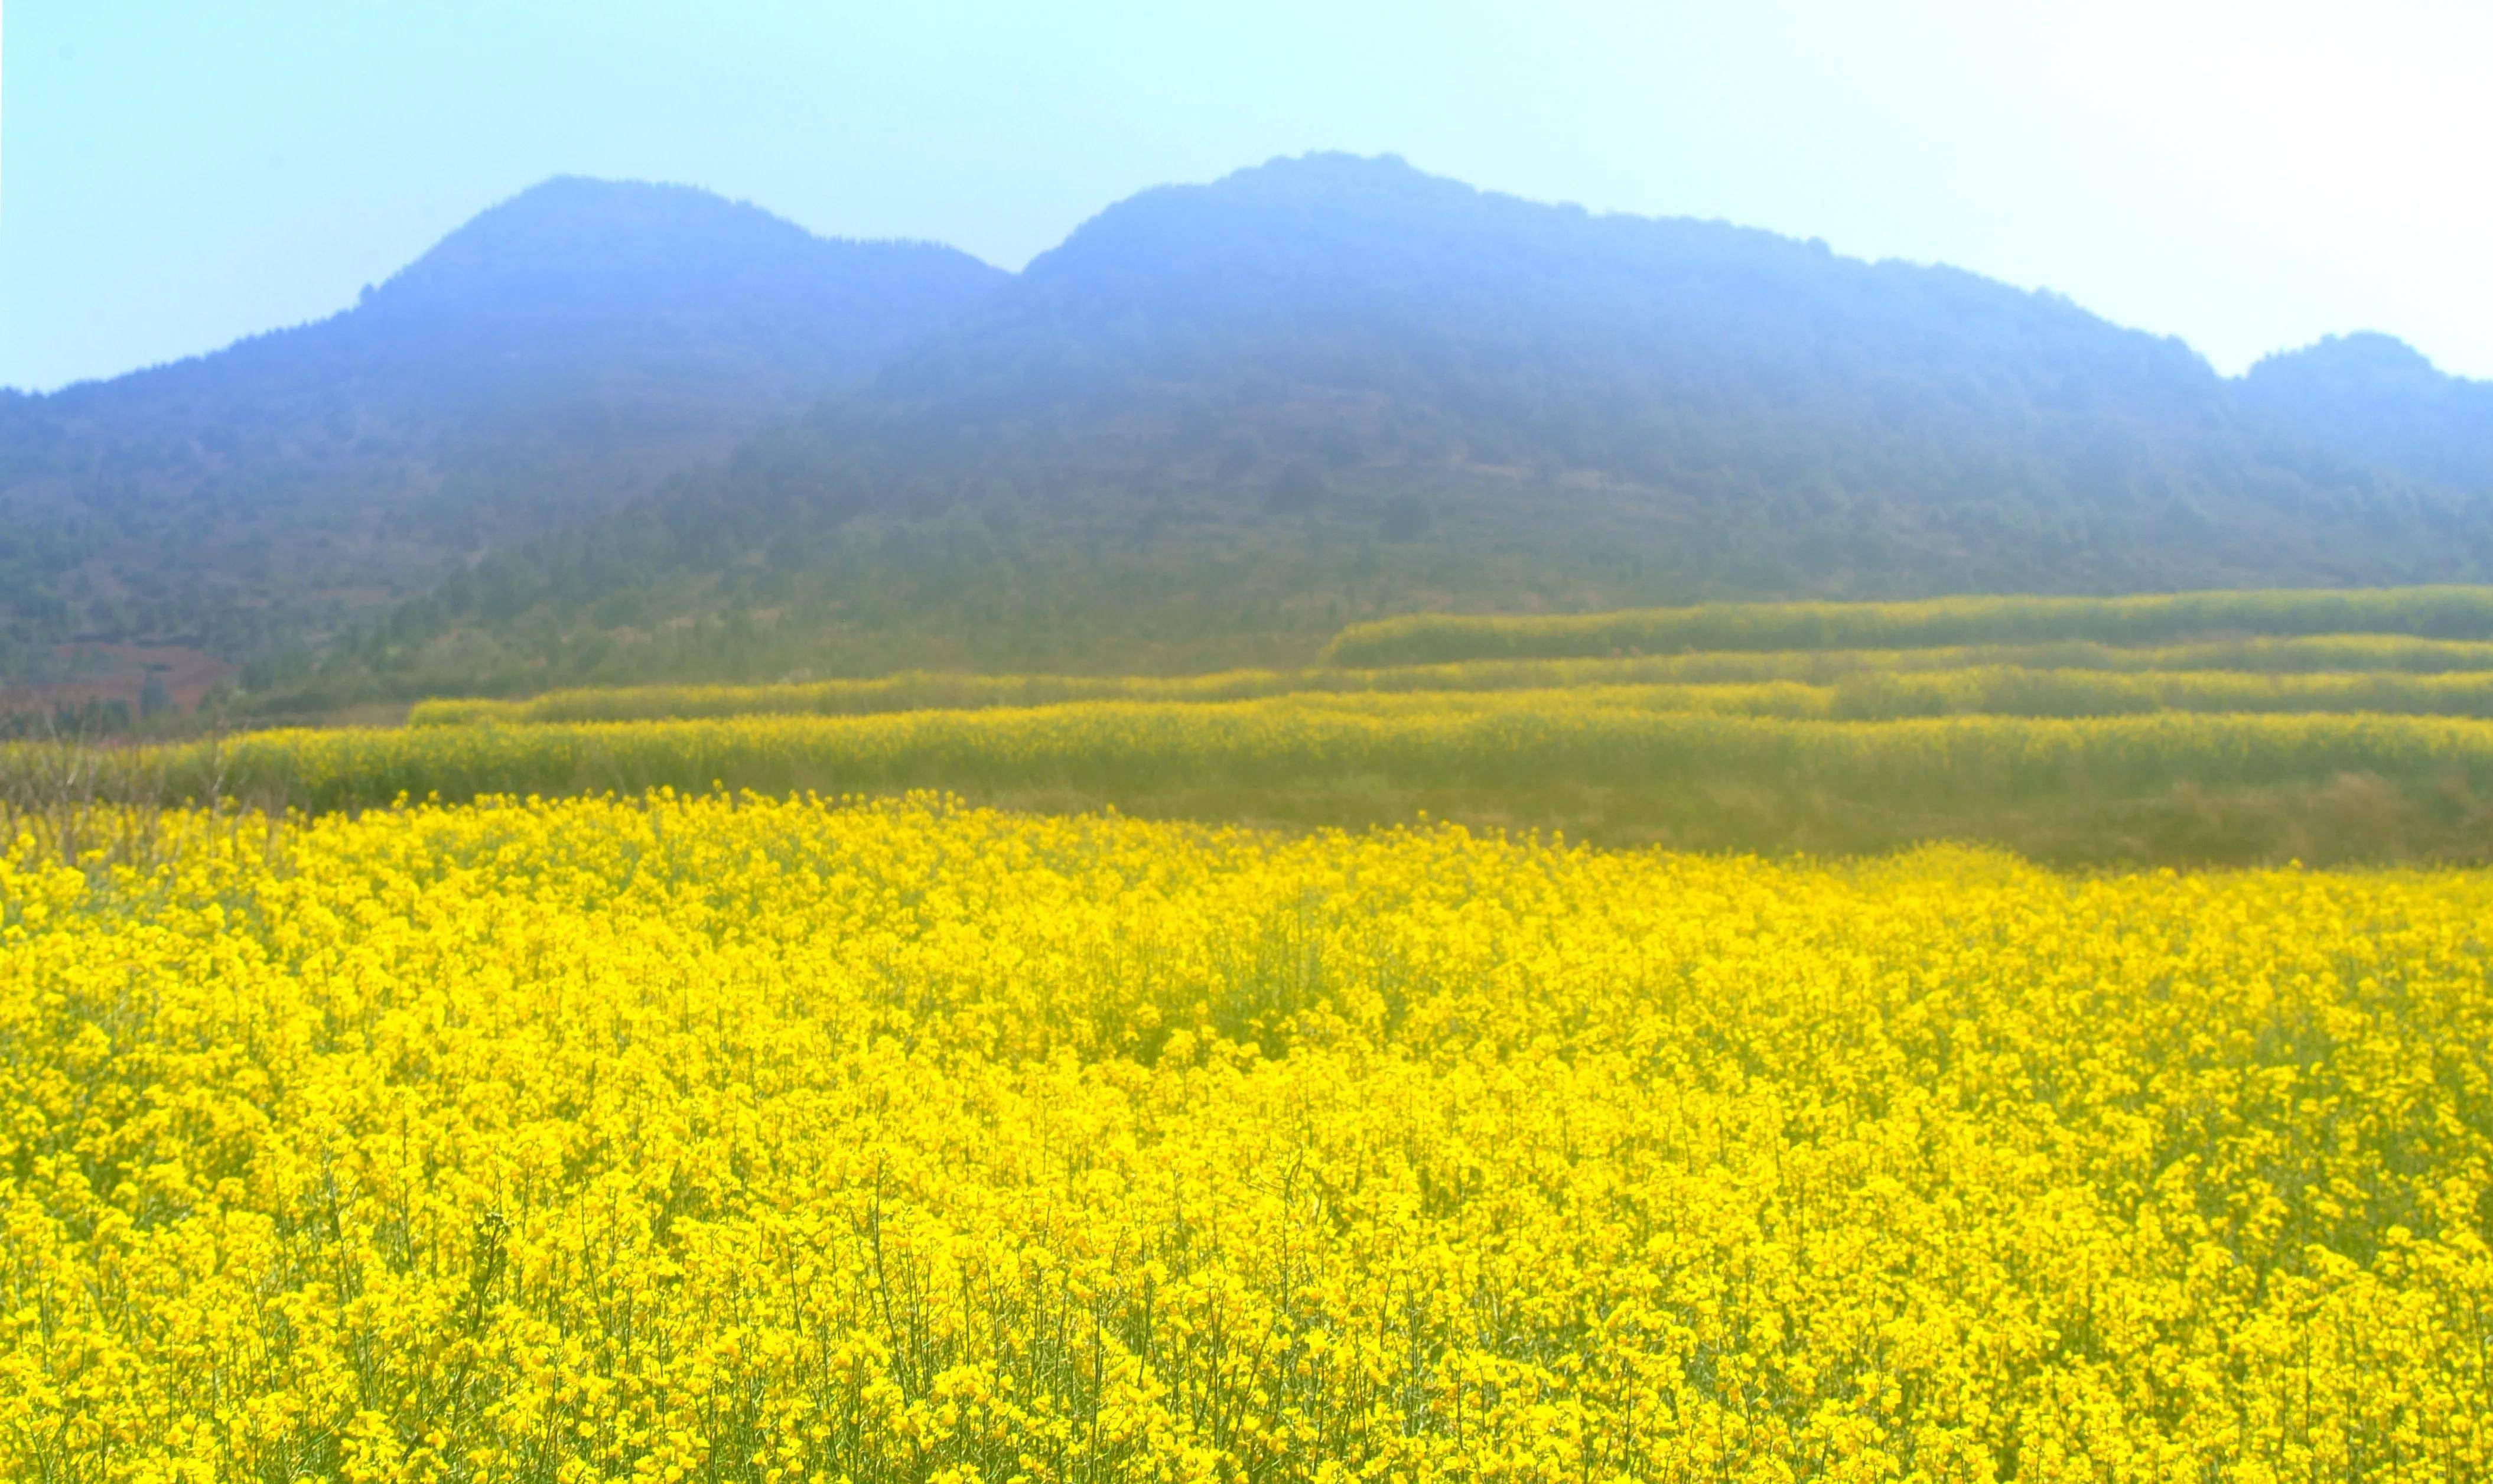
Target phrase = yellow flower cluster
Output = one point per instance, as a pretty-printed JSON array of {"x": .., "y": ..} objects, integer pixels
[{"x": 730, "y": 1138}]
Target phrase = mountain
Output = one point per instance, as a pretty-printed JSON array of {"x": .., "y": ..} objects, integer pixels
[
  {"x": 1334, "y": 298},
  {"x": 1362, "y": 314},
  {"x": 610, "y": 432},
  {"x": 556, "y": 357},
  {"x": 1220, "y": 417},
  {"x": 2373, "y": 397}
]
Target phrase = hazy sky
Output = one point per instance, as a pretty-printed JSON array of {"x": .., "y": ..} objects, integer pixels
[{"x": 2248, "y": 176}]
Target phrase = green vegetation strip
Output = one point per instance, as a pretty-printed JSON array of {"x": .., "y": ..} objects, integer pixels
[
  {"x": 1531, "y": 742},
  {"x": 2463, "y": 613},
  {"x": 2340, "y": 657}
]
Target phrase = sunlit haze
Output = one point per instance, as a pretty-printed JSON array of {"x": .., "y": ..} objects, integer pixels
[{"x": 2249, "y": 177}]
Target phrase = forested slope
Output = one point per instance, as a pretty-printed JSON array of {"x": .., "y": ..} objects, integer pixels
[
  {"x": 628, "y": 434},
  {"x": 557, "y": 356},
  {"x": 2374, "y": 398},
  {"x": 1222, "y": 420}
]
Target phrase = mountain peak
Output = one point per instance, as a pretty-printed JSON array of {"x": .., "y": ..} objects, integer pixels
[
  {"x": 577, "y": 235},
  {"x": 550, "y": 360},
  {"x": 2378, "y": 398},
  {"x": 575, "y": 262},
  {"x": 1342, "y": 281},
  {"x": 2367, "y": 352},
  {"x": 1321, "y": 170}
]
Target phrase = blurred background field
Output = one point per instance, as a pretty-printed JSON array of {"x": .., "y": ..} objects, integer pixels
[{"x": 2221, "y": 727}]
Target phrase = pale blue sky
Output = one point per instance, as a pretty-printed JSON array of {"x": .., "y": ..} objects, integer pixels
[{"x": 2248, "y": 176}]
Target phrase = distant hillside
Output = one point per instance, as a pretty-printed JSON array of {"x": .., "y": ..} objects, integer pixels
[
  {"x": 1362, "y": 312},
  {"x": 1219, "y": 419},
  {"x": 2373, "y": 397},
  {"x": 624, "y": 433},
  {"x": 552, "y": 359}
]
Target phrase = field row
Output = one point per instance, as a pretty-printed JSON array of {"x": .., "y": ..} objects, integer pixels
[
  {"x": 1847, "y": 686},
  {"x": 2151, "y": 787},
  {"x": 1628, "y": 735},
  {"x": 750, "y": 1140},
  {"x": 2464, "y": 613}
]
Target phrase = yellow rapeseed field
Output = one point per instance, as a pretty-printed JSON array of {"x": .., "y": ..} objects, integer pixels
[{"x": 729, "y": 1139}]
